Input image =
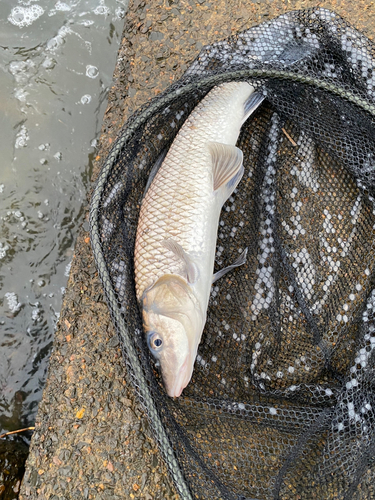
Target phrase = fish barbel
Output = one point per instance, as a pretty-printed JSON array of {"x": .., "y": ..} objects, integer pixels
[{"x": 177, "y": 229}]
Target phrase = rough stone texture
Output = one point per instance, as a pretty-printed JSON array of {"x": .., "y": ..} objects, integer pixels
[{"x": 92, "y": 439}]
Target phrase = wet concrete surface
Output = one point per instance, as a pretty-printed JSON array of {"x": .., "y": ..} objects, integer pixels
[{"x": 92, "y": 440}]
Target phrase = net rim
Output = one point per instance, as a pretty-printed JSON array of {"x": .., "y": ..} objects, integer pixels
[{"x": 125, "y": 135}]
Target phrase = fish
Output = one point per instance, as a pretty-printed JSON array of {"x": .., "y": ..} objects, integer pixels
[{"x": 177, "y": 228}]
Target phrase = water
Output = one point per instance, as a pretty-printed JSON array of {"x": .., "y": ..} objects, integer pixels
[{"x": 56, "y": 64}]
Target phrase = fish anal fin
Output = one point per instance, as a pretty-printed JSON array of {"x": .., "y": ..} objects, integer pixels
[
  {"x": 192, "y": 271},
  {"x": 227, "y": 168},
  {"x": 238, "y": 262}
]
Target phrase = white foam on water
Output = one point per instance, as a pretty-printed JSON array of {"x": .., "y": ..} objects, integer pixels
[
  {"x": 49, "y": 63},
  {"x": 67, "y": 269},
  {"x": 101, "y": 10},
  {"x": 62, "y": 7},
  {"x": 13, "y": 304},
  {"x": 86, "y": 22},
  {"x": 3, "y": 250},
  {"x": 55, "y": 42},
  {"x": 25, "y": 16},
  {"x": 21, "y": 138},
  {"x": 35, "y": 314},
  {"x": 120, "y": 13},
  {"x": 21, "y": 94},
  {"x": 22, "y": 71}
]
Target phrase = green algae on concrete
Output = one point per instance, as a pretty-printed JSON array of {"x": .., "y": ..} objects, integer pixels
[{"x": 92, "y": 439}]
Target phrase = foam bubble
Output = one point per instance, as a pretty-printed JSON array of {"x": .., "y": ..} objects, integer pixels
[
  {"x": 86, "y": 99},
  {"x": 92, "y": 71},
  {"x": 24, "y": 16},
  {"x": 101, "y": 10},
  {"x": 120, "y": 13}
]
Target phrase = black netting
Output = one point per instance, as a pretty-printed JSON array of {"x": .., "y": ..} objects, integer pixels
[{"x": 281, "y": 404}]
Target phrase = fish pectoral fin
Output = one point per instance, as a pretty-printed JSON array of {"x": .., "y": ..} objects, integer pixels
[
  {"x": 192, "y": 271},
  {"x": 227, "y": 166},
  {"x": 241, "y": 260}
]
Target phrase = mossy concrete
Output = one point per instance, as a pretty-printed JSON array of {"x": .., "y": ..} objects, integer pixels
[{"x": 92, "y": 440}]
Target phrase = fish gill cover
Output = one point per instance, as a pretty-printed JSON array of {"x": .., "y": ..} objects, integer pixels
[{"x": 281, "y": 404}]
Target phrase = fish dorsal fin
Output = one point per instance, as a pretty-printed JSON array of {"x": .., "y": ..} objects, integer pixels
[
  {"x": 192, "y": 271},
  {"x": 226, "y": 164}
]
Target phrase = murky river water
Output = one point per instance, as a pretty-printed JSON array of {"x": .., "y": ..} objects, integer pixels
[{"x": 56, "y": 64}]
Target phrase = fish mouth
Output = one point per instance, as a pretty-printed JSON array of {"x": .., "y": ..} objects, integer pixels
[{"x": 181, "y": 381}]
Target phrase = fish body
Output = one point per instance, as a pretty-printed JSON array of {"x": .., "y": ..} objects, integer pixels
[{"x": 177, "y": 228}]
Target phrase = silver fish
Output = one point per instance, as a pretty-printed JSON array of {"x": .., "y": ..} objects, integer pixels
[{"x": 177, "y": 229}]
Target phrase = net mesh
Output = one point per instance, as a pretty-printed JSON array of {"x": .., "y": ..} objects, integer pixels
[{"x": 281, "y": 403}]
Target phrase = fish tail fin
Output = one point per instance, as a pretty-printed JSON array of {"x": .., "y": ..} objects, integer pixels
[{"x": 251, "y": 104}]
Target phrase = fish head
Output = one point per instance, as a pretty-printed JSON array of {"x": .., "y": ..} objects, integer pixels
[{"x": 173, "y": 322}]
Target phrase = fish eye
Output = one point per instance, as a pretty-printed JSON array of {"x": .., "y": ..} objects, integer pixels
[{"x": 155, "y": 341}]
